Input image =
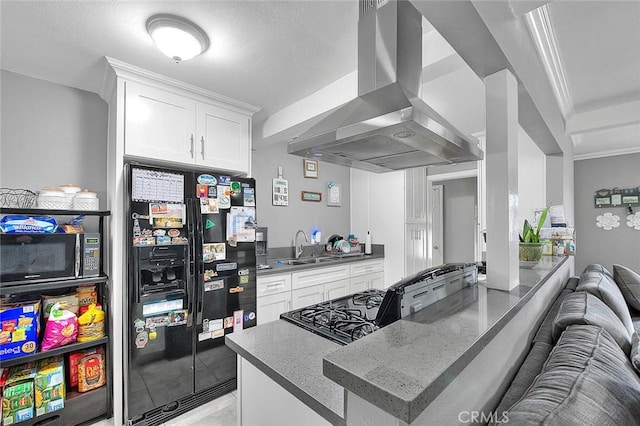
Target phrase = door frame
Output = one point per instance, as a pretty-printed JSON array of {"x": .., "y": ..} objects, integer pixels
[
  {"x": 433, "y": 179},
  {"x": 435, "y": 232}
]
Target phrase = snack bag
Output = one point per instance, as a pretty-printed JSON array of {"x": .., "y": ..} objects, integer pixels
[
  {"x": 61, "y": 328},
  {"x": 91, "y": 324}
]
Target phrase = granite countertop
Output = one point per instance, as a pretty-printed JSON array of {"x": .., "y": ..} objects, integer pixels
[
  {"x": 387, "y": 365},
  {"x": 405, "y": 365}
]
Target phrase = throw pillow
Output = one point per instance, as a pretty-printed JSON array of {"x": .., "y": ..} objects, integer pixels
[
  {"x": 606, "y": 290},
  {"x": 584, "y": 308},
  {"x": 629, "y": 283}
]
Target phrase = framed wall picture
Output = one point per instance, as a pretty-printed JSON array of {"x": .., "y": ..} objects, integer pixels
[
  {"x": 310, "y": 168},
  {"x": 333, "y": 194},
  {"x": 311, "y": 196}
]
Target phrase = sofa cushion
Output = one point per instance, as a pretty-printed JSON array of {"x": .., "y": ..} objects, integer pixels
[
  {"x": 596, "y": 267},
  {"x": 606, "y": 290},
  {"x": 572, "y": 283},
  {"x": 587, "y": 380},
  {"x": 635, "y": 350},
  {"x": 543, "y": 334},
  {"x": 584, "y": 308},
  {"x": 629, "y": 283},
  {"x": 530, "y": 368}
]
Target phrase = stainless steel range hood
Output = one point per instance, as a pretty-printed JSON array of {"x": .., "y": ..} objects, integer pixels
[{"x": 388, "y": 126}]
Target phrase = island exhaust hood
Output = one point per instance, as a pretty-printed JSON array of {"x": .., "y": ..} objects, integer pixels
[{"x": 388, "y": 126}]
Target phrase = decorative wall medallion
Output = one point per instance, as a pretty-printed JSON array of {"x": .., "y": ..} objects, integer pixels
[
  {"x": 633, "y": 221},
  {"x": 608, "y": 221}
]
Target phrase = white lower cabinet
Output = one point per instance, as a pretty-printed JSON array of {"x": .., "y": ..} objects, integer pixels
[
  {"x": 366, "y": 275},
  {"x": 281, "y": 293},
  {"x": 367, "y": 282},
  {"x": 273, "y": 297}
]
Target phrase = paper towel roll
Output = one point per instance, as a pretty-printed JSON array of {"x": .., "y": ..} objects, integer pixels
[{"x": 367, "y": 243}]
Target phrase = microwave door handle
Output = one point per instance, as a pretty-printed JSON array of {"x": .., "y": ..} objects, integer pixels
[{"x": 77, "y": 257}]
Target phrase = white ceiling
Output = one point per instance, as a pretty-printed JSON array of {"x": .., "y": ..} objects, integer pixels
[{"x": 274, "y": 53}]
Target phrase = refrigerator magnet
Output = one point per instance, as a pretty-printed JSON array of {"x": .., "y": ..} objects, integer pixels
[
  {"x": 141, "y": 339},
  {"x": 207, "y": 179},
  {"x": 249, "y": 196},
  {"x": 214, "y": 251},
  {"x": 217, "y": 333},
  {"x": 213, "y": 285},
  {"x": 209, "y": 205},
  {"x": 228, "y": 322},
  {"x": 237, "y": 320},
  {"x": 215, "y": 324},
  {"x": 210, "y": 274},
  {"x": 237, "y": 289},
  {"x": 204, "y": 336},
  {"x": 224, "y": 196},
  {"x": 244, "y": 279},
  {"x": 202, "y": 191}
]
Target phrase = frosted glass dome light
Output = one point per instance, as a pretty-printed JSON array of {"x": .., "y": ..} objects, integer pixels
[{"x": 176, "y": 37}]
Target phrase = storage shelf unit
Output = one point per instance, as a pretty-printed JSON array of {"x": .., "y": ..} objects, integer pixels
[{"x": 79, "y": 407}]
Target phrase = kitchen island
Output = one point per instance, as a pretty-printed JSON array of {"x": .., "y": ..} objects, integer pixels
[{"x": 452, "y": 356}]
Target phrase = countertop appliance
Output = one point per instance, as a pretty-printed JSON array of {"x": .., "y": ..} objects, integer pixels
[
  {"x": 388, "y": 126},
  {"x": 191, "y": 280},
  {"x": 349, "y": 318}
]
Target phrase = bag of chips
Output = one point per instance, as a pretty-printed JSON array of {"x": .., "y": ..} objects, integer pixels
[
  {"x": 61, "y": 328},
  {"x": 91, "y": 324}
]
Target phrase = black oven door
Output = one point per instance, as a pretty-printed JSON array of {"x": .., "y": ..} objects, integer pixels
[{"x": 25, "y": 257}]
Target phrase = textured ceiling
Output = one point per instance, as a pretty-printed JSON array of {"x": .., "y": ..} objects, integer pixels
[{"x": 274, "y": 53}]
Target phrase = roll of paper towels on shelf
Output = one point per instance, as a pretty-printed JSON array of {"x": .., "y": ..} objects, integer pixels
[{"x": 367, "y": 243}]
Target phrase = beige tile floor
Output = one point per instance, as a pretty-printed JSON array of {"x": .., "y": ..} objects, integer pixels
[{"x": 219, "y": 412}]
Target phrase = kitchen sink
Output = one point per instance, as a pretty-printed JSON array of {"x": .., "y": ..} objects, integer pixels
[{"x": 309, "y": 261}]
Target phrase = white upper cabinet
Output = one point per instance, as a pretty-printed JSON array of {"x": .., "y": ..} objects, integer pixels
[
  {"x": 171, "y": 122},
  {"x": 158, "y": 124},
  {"x": 223, "y": 138}
]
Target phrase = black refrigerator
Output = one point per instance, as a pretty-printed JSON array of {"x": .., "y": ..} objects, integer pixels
[{"x": 191, "y": 280}]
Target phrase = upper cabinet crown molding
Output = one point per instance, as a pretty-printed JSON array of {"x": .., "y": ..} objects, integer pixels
[{"x": 117, "y": 69}]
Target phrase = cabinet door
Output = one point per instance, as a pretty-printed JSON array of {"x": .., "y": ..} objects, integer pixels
[
  {"x": 159, "y": 124},
  {"x": 223, "y": 139},
  {"x": 270, "y": 307},
  {"x": 416, "y": 195},
  {"x": 307, "y": 296},
  {"x": 358, "y": 284},
  {"x": 415, "y": 248},
  {"x": 336, "y": 289},
  {"x": 376, "y": 281}
]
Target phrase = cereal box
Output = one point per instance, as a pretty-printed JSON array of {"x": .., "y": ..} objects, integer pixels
[
  {"x": 20, "y": 328},
  {"x": 49, "y": 386}
]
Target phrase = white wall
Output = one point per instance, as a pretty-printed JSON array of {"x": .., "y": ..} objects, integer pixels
[
  {"x": 531, "y": 178},
  {"x": 378, "y": 205},
  {"x": 52, "y": 135},
  {"x": 283, "y": 222}
]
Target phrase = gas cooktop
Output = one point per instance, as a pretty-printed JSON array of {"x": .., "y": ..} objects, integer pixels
[
  {"x": 342, "y": 320},
  {"x": 349, "y": 318}
]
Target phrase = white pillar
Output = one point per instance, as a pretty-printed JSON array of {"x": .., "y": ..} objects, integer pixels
[{"x": 501, "y": 156}]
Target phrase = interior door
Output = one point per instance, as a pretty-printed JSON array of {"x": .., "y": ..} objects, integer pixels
[{"x": 437, "y": 230}]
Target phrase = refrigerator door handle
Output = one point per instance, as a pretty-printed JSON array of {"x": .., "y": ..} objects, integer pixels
[
  {"x": 190, "y": 262},
  {"x": 198, "y": 260}
]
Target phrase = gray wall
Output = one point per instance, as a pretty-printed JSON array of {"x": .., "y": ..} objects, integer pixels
[
  {"x": 554, "y": 180},
  {"x": 459, "y": 206},
  {"x": 594, "y": 245},
  {"x": 283, "y": 222},
  {"x": 51, "y": 135}
]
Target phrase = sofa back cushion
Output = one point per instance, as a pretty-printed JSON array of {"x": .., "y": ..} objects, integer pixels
[
  {"x": 629, "y": 283},
  {"x": 587, "y": 380},
  {"x": 606, "y": 290},
  {"x": 596, "y": 267},
  {"x": 584, "y": 308}
]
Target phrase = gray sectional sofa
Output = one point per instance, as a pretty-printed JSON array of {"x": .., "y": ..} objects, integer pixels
[{"x": 583, "y": 367}]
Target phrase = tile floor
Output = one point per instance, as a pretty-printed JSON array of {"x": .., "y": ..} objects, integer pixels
[{"x": 219, "y": 412}]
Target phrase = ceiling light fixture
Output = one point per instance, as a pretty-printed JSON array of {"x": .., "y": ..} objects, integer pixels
[{"x": 177, "y": 37}]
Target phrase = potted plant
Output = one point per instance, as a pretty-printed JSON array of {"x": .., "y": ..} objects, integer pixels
[{"x": 530, "y": 245}]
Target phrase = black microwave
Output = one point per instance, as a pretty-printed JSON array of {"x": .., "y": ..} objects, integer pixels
[{"x": 26, "y": 257}]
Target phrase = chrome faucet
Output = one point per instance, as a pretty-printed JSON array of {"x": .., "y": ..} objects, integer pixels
[{"x": 299, "y": 247}]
